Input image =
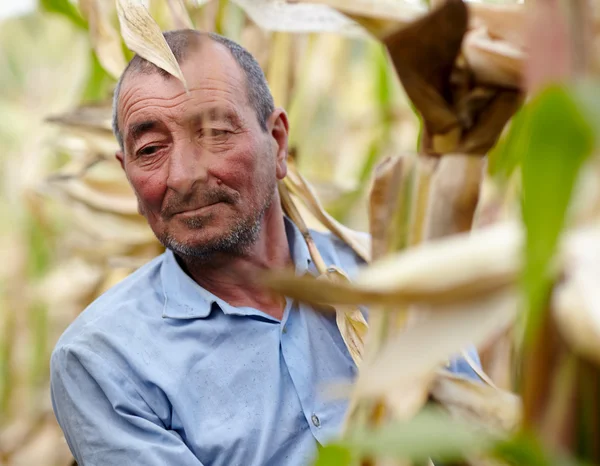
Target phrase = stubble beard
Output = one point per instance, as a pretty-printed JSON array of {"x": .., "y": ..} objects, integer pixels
[{"x": 235, "y": 242}]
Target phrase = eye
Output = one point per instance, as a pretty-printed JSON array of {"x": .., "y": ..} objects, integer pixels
[
  {"x": 148, "y": 150},
  {"x": 220, "y": 132}
]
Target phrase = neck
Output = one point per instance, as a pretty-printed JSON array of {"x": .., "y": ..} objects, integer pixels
[{"x": 230, "y": 277}]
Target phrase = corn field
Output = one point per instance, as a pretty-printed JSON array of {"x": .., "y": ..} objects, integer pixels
[{"x": 463, "y": 136}]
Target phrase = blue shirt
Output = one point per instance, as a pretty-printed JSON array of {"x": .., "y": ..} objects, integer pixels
[{"x": 159, "y": 371}]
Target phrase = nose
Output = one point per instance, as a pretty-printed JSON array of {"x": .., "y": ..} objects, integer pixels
[{"x": 186, "y": 168}]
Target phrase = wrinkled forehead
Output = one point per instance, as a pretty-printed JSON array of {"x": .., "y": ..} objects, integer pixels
[{"x": 209, "y": 70}]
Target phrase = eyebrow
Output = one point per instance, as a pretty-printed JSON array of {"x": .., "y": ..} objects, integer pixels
[{"x": 135, "y": 130}]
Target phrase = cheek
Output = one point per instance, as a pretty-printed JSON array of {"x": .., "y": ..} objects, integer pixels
[
  {"x": 150, "y": 189},
  {"x": 246, "y": 169}
]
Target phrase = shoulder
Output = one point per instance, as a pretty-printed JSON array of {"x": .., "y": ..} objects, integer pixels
[{"x": 137, "y": 297}]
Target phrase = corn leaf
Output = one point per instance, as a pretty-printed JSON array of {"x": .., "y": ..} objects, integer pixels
[
  {"x": 484, "y": 405},
  {"x": 559, "y": 141},
  {"x": 273, "y": 15},
  {"x": 453, "y": 195},
  {"x": 105, "y": 38},
  {"x": 380, "y": 18},
  {"x": 432, "y": 433},
  {"x": 576, "y": 300},
  {"x": 334, "y": 455},
  {"x": 143, "y": 36},
  {"x": 181, "y": 17},
  {"x": 418, "y": 351},
  {"x": 490, "y": 259},
  {"x": 423, "y": 54},
  {"x": 298, "y": 185},
  {"x": 64, "y": 7}
]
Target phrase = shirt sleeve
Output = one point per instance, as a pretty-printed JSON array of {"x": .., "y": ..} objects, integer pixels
[{"x": 105, "y": 419}]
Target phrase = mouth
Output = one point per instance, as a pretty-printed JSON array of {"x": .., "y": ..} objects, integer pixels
[{"x": 195, "y": 212}]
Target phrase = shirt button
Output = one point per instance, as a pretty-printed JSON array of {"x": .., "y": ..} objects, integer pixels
[
  {"x": 284, "y": 329},
  {"x": 315, "y": 420}
]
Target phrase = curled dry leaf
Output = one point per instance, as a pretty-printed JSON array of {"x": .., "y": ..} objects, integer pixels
[
  {"x": 490, "y": 122},
  {"x": 490, "y": 259},
  {"x": 471, "y": 401},
  {"x": 424, "y": 54},
  {"x": 144, "y": 37},
  {"x": 421, "y": 349},
  {"x": 105, "y": 38}
]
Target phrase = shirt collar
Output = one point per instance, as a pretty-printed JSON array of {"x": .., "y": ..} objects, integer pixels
[{"x": 185, "y": 299}]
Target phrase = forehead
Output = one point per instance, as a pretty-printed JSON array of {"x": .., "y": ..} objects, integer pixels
[{"x": 211, "y": 73}]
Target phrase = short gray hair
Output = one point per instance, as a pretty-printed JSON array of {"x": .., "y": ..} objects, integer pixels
[{"x": 180, "y": 42}]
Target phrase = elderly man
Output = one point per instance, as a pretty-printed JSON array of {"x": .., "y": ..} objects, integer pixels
[{"x": 185, "y": 362}]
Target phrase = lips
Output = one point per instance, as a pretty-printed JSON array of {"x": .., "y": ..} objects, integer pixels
[{"x": 196, "y": 210}]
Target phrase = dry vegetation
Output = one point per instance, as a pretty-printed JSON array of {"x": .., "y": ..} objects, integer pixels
[{"x": 396, "y": 109}]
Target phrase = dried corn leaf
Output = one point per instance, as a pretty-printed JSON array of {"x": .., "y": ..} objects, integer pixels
[
  {"x": 106, "y": 201},
  {"x": 291, "y": 211},
  {"x": 274, "y": 15},
  {"x": 454, "y": 195},
  {"x": 144, "y": 37},
  {"x": 96, "y": 118},
  {"x": 181, "y": 17},
  {"x": 105, "y": 38},
  {"x": 389, "y": 209},
  {"x": 350, "y": 321},
  {"x": 490, "y": 123},
  {"x": 380, "y": 17},
  {"x": 296, "y": 183},
  {"x": 418, "y": 351},
  {"x": 492, "y": 61},
  {"x": 503, "y": 22},
  {"x": 490, "y": 259},
  {"x": 495, "y": 409},
  {"x": 576, "y": 301},
  {"x": 423, "y": 54}
]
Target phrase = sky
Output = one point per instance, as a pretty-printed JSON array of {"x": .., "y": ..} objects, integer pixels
[{"x": 15, "y": 7}]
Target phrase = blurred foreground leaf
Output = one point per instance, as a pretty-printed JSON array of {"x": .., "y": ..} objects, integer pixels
[
  {"x": 106, "y": 40},
  {"x": 432, "y": 433},
  {"x": 63, "y": 7},
  {"x": 556, "y": 144},
  {"x": 334, "y": 455}
]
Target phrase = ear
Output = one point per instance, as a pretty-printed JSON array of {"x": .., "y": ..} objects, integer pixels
[
  {"x": 119, "y": 156},
  {"x": 278, "y": 127}
]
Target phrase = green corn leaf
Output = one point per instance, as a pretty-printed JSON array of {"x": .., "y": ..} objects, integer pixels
[
  {"x": 334, "y": 455},
  {"x": 65, "y": 8},
  {"x": 552, "y": 151},
  {"x": 430, "y": 434}
]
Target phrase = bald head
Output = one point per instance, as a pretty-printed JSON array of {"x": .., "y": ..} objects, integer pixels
[{"x": 183, "y": 43}]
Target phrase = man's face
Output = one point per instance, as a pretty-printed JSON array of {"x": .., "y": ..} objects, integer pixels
[{"x": 203, "y": 170}]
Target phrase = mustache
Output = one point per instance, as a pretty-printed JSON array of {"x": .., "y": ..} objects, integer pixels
[{"x": 196, "y": 200}]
